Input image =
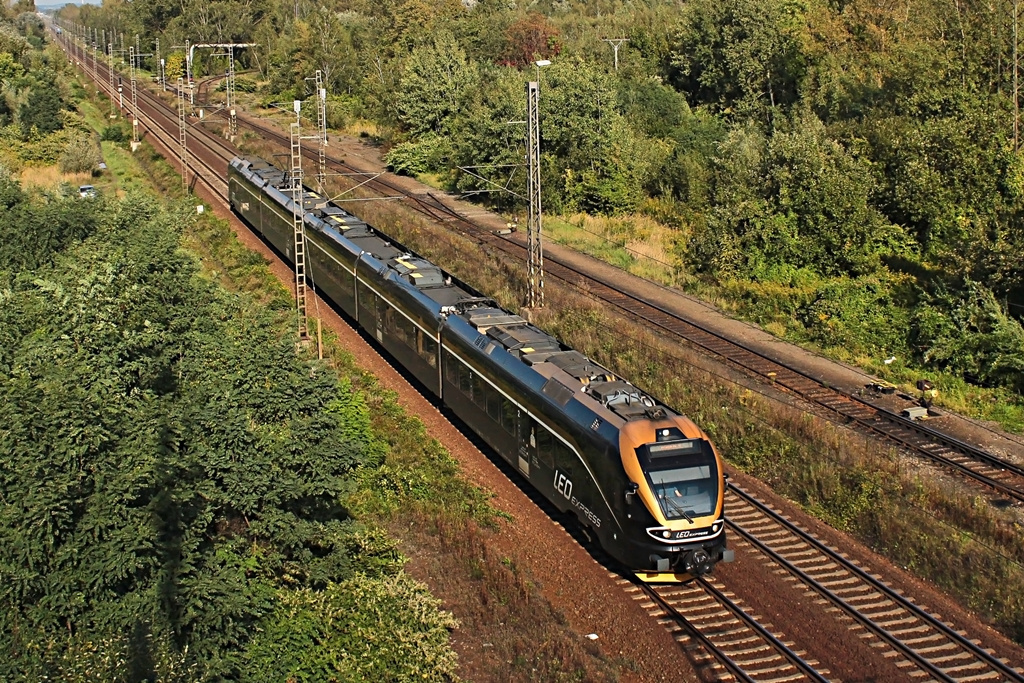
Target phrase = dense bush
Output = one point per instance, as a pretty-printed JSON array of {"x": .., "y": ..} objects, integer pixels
[
  {"x": 427, "y": 154},
  {"x": 175, "y": 476},
  {"x": 79, "y": 156},
  {"x": 114, "y": 133}
]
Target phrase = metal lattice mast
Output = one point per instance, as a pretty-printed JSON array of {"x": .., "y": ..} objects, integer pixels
[
  {"x": 233, "y": 120},
  {"x": 321, "y": 120},
  {"x": 535, "y": 296},
  {"x": 159, "y": 63},
  {"x": 188, "y": 72},
  {"x": 181, "y": 135},
  {"x": 135, "y": 98},
  {"x": 299, "y": 229},
  {"x": 110, "y": 74}
]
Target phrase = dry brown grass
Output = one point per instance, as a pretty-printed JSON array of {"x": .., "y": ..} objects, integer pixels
[
  {"x": 515, "y": 633},
  {"x": 49, "y": 177}
]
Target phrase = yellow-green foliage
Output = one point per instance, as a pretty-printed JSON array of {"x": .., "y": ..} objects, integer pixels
[{"x": 363, "y": 629}]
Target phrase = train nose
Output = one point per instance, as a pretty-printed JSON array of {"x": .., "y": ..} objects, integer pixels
[{"x": 697, "y": 562}]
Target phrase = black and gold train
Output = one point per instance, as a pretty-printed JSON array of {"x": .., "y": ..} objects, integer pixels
[{"x": 643, "y": 479}]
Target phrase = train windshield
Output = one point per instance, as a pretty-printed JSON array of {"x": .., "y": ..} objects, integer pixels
[{"x": 684, "y": 478}]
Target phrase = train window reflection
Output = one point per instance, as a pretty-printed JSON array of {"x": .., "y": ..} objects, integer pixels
[
  {"x": 545, "y": 446},
  {"x": 478, "y": 390},
  {"x": 508, "y": 416},
  {"x": 494, "y": 404},
  {"x": 427, "y": 348},
  {"x": 686, "y": 491}
]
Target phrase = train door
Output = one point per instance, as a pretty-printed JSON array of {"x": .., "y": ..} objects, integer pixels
[
  {"x": 542, "y": 458},
  {"x": 527, "y": 439}
]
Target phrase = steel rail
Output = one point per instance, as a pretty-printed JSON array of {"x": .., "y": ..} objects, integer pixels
[
  {"x": 877, "y": 585},
  {"x": 783, "y": 650}
]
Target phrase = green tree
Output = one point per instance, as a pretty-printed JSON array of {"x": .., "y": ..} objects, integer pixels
[
  {"x": 434, "y": 84},
  {"x": 42, "y": 110},
  {"x": 531, "y": 38},
  {"x": 483, "y": 137},
  {"x": 743, "y": 55}
]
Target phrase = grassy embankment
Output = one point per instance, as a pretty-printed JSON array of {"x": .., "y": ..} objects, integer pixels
[{"x": 418, "y": 493}]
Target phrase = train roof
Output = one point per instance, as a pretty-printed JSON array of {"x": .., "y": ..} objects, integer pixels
[{"x": 569, "y": 373}]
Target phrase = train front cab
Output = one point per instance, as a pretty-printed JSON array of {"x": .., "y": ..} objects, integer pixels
[{"x": 677, "y": 488}]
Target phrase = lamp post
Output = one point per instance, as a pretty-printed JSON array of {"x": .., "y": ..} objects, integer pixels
[
  {"x": 535, "y": 246},
  {"x": 539, "y": 63}
]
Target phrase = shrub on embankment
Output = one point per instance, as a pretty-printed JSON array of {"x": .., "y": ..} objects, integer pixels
[{"x": 174, "y": 477}]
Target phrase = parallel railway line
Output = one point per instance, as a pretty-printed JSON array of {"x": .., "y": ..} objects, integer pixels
[
  {"x": 968, "y": 460},
  {"x": 747, "y": 651},
  {"x": 744, "y": 650},
  {"x": 928, "y": 646}
]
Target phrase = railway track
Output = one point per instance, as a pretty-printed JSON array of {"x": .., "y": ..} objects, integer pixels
[
  {"x": 742, "y": 649},
  {"x": 704, "y": 611},
  {"x": 998, "y": 474},
  {"x": 928, "y": 648}
]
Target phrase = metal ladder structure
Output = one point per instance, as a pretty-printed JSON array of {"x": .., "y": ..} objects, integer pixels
[
  {"x": 132, "y": 56},
  {"x": 535, "y": 295},
  {"x": 233, "y": 117},
  {"x": 299, "y": 229},
  {"x": 110, "y": 76},
  {"x": 321, "y": 122},
  {"x": 181, "y": 135}
]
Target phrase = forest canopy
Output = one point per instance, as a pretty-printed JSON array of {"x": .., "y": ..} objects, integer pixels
[{"x": 835, "y": 164}]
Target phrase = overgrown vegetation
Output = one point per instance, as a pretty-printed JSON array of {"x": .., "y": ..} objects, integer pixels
[
  {"x": 827, "y": 168},
  {"x": 175, "y": 477}
]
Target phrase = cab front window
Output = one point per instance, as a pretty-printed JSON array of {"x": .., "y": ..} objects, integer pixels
[{"x": 683, "y": 477}]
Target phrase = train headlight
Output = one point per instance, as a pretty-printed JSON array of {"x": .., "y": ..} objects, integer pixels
[
  {"x": 715, "y": 527},
  {"x": 666, "y": 534}
]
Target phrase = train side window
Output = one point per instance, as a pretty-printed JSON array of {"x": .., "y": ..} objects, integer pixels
[
  {"x": 369, "y": 302},
  {"x": 478, "y": 391},
  {"x": 565, "y": 459},
  {"x": 409, "y": 333},
  {"x": 466, "y": 380},
  {"x": 545, "y": 445},
  {"x": 451, "y": 369},
  {"x": 493, "y": 404},
  {"x": 427, "y": 348},
  {"x": 509, "y": 414}
]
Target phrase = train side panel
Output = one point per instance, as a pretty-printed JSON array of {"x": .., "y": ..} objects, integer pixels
[{"x": 333, "y": 269}]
